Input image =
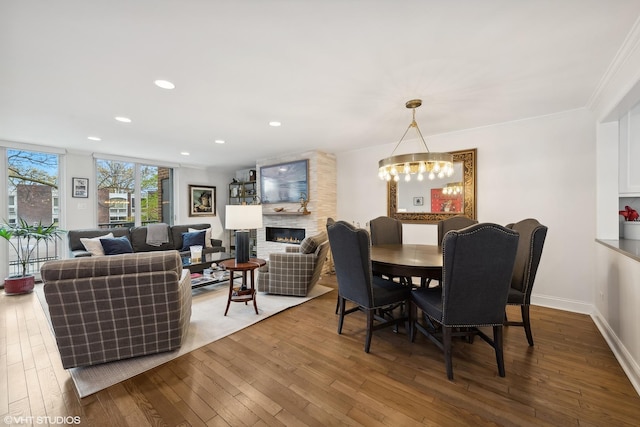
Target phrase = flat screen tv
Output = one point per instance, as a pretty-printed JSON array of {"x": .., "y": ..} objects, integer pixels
[{"x": 284, "y": 182}]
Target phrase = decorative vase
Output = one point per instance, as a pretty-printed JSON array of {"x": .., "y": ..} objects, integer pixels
[
  {"x": 19, "y": 285},
  {"x": 631, "y": 230}
]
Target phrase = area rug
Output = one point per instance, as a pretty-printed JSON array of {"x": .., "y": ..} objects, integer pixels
[{"x": 208, "y": 324}]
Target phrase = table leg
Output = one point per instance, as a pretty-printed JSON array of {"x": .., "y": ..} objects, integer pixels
[
  {"x": 230, "y": 291},
  {"x": 253, "y": 292}
]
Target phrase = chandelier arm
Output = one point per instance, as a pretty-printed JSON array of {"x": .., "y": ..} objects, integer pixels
[
  {"x": 403, "y": 135},
  {"x": 422, "y": 138}
]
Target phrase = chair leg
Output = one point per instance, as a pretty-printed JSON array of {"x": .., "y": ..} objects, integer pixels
[
  {"x": 526, "y": 320},
  {"x": 497, "y": 345},
  {"x": 341, "y": 318},
  {"x": 367, "y": 342},
  {"x": 338, "y": 304},
  {"x": 413, "y": 318},
  {"x": 446, "y": 347}
]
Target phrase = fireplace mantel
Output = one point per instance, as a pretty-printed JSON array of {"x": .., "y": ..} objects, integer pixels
[{"x": 285, "y": 213}]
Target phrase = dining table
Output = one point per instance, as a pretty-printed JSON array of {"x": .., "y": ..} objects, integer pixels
[{"x": 407, "y": 260}]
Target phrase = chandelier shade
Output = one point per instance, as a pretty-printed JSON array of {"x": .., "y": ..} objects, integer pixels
[{"x": 432, "y": 164}]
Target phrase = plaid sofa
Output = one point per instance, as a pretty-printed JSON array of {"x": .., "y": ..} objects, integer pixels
[
  {"x": 116, "y": 307},
  {"x": 297, "y": 270}
]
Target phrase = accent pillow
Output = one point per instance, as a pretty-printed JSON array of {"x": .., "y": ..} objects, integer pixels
[
  {"x": 93, "y": 245},
  {"x": 116, "y": 246},
  {"x": 308, "y": 245},
  {"x": 193, "y": 239},
  {"x": 207, "y": 236}
]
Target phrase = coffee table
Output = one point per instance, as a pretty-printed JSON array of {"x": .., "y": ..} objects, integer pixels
[
  {"x": 201, "y": 281},
  {"x": 207, "y": 259}
]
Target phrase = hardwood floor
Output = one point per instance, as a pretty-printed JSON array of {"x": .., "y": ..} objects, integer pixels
[{"x": 294, "y": 369}]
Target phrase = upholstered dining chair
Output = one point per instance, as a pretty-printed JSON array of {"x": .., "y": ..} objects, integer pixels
[
  {"x": 532, "y": 237},
  {"x": 456, "y": 222},
  {"x": 476, "y": 274},
  {"x": 373, "y": 295},
  {"x": 385, "y": 231}
]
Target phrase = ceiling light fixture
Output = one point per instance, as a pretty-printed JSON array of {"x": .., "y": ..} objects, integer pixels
[
  {"x": 164, "y": 84},
  {"x": 433, "y": 164},
  {"x": 219, "y": 141},
  {"x": 185, "y": 153},
  {"x": 123, "y": 119},
  {"x": 275, "y": 124},
  {"x": 94, "y": 138}
]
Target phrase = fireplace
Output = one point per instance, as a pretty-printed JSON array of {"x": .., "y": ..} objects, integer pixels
[{"x": 285, "y": 235}]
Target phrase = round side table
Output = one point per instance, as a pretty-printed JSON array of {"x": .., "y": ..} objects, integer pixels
[{"x": 243, "y": 293}]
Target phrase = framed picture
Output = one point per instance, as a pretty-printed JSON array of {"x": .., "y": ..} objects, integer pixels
[
  {"x": 284, "y": 182},
  {"x": 80, "y": 187},
  {"x": 202, "y": 200},
  {"x": 418, "y": 201}
]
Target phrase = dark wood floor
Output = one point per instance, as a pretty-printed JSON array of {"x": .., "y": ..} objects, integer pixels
[{"x": 294, "y": 369}]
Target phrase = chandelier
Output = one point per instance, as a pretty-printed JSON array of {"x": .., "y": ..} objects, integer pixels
[
  {"x": 431, "y": 164},
  {"x": 453, "y": 188}
]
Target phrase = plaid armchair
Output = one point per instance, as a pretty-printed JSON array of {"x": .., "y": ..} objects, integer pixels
[
  {"x": 115, "y": 307},
  {"x": 297, "y": 270}
]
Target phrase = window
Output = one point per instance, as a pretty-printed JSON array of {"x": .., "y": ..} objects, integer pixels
[
  {"x": 133, "y": 193},
  {"x": 32, "y": 190}
]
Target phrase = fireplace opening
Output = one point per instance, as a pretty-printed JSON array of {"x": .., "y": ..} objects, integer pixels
[{"x": 285, "y": 235}]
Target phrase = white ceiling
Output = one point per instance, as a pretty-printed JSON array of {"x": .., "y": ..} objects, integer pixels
[{"x": 336, "y": 73}]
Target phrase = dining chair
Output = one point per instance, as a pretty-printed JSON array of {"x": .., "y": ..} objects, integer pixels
[
  {"x": 532, "y": 237},
  {"x": 356, "y": 283},
  {"x": 387, "y": 231},
  {"x": 456, "y": 222},
  {"x": 477, "y": 268}
]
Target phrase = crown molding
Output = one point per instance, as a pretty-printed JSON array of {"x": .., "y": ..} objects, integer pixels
[{"x": 625, "y": 52}]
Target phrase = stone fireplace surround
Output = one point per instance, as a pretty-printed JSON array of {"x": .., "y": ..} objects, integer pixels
[{"x": 322, "y": 200}]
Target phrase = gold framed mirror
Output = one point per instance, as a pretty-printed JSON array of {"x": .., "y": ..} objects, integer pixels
[{"x": 426, "y": 202}]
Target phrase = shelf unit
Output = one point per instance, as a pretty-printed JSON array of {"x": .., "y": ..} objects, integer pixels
[
  {"x": 239, "y": 193},
  {"x": 242, "y": 192}
]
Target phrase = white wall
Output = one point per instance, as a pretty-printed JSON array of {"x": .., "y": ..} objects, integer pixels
[
  {"x": 220, "y": 179},
  {"x": 541, "y": 168}
]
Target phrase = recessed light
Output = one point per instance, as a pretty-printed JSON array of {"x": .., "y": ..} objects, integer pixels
[
  {"x": 185, "y": 153},
  {"x": 94, "y": 138},
  {"x": 164, "y": 84},
  {"x": 123, "y": 119},
  {"x": 219, "y": 141},
  {"x": 275, "y": 124}
]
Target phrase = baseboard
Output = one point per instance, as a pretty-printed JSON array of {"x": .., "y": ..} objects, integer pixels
[
  {"x": 628, "y": 364},
  {"x": 562, "y": 304}
]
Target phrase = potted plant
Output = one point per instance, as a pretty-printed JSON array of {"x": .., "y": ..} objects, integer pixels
[
  {"x": 24, "y": 240},
  {"x": 631, "y": 225}
]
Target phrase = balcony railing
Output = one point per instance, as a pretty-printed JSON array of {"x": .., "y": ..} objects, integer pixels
[{"x": 45, "y": 251}]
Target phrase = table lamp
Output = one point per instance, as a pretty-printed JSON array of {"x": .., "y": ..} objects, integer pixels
[{"x": 242, "y": 218}]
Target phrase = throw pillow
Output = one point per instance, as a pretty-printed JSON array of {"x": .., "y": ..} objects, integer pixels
[
  {"x": 93, "y": 245},
  {"x": 207, "y": 236},
  {"x": 193, "y": 239},
  {"x": 116, "y": 246},
  {"x": 308, "y": 245}
]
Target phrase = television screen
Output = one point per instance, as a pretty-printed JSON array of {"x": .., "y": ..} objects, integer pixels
[{"x": 284, "y": 182}]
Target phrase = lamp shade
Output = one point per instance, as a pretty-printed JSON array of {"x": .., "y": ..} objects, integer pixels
[{"x": 243, "y": 217}]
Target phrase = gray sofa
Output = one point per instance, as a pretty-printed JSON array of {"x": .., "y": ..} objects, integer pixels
[
  {"x": 138, "y": 238},
  {"x": 108, "y": 308}
]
